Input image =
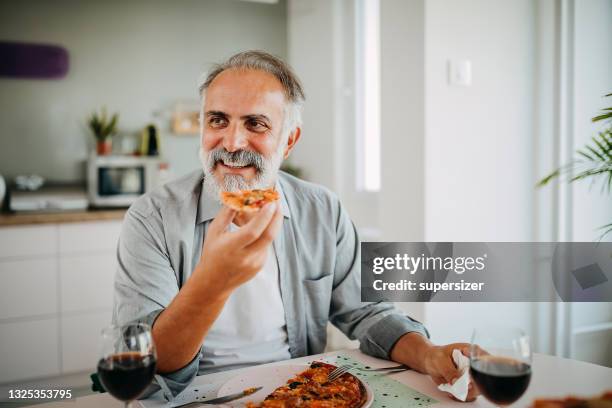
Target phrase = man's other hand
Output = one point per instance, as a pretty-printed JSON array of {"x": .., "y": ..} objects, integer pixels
[
  {"x": 230, "y": 259},
  {"x": 418, "y": 353},
  {"x": 439, "y": 365}
]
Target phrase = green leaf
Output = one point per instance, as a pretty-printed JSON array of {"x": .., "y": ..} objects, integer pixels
[
  {"x": 110, "y": 128},
  {"x": 596, "y": 153},
  {"x": 602, "y": 117},
  {"x": 582, "y": 153},
  {"x": 605, "y": 152},
  {"x": 604, "y": 169},
  {"x": 607, "y": 139},
  {"x": 607, "y": 229},
  {"x": 548, "y": 178}
]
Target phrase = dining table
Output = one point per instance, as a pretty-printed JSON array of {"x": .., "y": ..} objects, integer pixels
[{"x": 552, "y": 377}]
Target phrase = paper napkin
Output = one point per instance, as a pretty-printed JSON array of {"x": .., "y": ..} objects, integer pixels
[{"x": 460, "y": 388}]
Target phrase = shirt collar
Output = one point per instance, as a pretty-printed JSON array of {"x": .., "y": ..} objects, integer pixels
[{"x": 209, "y": 206}]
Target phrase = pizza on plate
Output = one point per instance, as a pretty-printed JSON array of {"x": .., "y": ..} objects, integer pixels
[
  {"x": 311, "y": 389},
  {"x": 248, "y": 200}
]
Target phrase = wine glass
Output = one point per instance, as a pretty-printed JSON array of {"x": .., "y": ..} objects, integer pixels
[
  {"x": 500, "y": 363},
  {"x": 127, "y": 361}
]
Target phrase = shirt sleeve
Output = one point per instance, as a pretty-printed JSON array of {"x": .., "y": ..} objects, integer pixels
[
  {"x": 377, "y": 325},
  {"x": 145, "y": 284}
]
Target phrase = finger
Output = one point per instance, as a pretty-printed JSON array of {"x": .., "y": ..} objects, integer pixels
[
  {"x": 464, "y": 348},
  {"x": 222, "y": 220},
  {"x": 449, "y": 371},
  {"x": 253, "y": 229},
  {"x": 469, "y": 350},
  {"x": 472, "y": 393},
  {"x": 438, "y": 380},
  {"x": 269, "y": 233}
]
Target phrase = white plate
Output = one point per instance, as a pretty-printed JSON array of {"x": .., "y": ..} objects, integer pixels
[{"x": 270, "y": 378}]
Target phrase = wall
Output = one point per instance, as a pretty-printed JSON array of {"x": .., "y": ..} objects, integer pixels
[
  {"x": 591, "y": 208},
  {"x": 325, "y": 61},
  {"x": 591, "y": 323},
  {"x": 479, "y": 173},
  {"x": 403, "y": 45},
  {"x": 311, "y": 54},
  {"x": 134, "y": 57}
]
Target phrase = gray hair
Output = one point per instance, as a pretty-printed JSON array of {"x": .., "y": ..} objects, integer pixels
[{"x": 263, "y": 61}]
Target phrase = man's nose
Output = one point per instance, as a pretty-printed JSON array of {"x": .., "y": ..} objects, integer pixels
[{"x": 235, "y": 139}]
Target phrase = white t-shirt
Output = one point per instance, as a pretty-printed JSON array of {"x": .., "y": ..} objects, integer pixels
[{"x": 251, "y": 328}]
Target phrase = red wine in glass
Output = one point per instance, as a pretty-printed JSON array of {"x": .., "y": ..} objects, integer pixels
[
  {"x": 501, "y": 380},
  {"x": 128, "y": 361},
  {"x": 126, "y": 375},
  {"x": 500, "y": 364}
]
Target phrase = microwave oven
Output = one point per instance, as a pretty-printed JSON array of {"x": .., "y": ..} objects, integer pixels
[{"x": 117, "y": 181}]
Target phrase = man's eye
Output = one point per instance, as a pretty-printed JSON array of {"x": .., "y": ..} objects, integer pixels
[
  {"x": 216, "y": 122},
  {"x": 256, "y": 125}
]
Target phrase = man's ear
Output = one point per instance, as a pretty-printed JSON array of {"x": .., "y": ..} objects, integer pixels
[{"x": 292, "y": 140}]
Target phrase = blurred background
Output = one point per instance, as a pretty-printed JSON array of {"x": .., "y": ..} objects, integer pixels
[{"x": 431, "y": 119}]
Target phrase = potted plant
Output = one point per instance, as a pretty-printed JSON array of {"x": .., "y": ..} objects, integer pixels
[
  {"x": 594, "y": 161},
  {"x": 103, "y": 128}
]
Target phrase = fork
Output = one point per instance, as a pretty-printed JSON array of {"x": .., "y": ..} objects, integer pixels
[{"x": 339, "y": 371}]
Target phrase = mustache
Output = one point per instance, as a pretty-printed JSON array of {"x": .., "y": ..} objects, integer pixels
[{"x": 237, "y": 158}]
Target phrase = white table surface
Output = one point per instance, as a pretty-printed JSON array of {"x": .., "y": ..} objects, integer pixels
[{"x": 552, "y": 377}]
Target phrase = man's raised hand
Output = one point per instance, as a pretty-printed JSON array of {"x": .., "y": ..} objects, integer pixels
[{"x": 230, "y": 259}]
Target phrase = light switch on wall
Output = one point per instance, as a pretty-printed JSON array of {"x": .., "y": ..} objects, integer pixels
[{"x": 460, "y": 73}]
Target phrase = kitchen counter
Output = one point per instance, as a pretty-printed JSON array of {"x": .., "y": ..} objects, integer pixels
[{"x": 60, "y": 217}]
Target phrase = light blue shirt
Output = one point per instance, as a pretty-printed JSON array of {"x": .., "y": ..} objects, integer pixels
[{"x": 318, "y": 256}]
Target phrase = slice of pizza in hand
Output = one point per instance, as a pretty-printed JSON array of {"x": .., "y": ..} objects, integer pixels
[{"x": 248, "y": 200}]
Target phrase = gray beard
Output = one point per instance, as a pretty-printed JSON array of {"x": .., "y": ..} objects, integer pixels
[{"x": 265, "y": 177}]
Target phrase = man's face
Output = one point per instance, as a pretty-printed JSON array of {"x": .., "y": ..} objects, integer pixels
[{"x": 242, "y": 131}]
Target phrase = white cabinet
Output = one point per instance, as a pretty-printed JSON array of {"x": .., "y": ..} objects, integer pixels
[
  {"x": 56, "y": 294},
  {"x": 28, "y": 287},
  {"x": 81, "y": 340},
  {"x": 29, "y": 349},
  {"x": 88, "y": 236},
  {"x": 87, "y": 281},
  {"x": 28, "y": 241}
]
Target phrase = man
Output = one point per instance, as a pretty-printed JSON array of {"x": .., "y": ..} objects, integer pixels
[{"x": 223, "y": 289}]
